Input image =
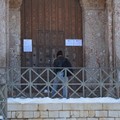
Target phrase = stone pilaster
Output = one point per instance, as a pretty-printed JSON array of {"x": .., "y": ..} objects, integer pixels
[
  {"x": 14, "y": 36},
  {"x": 14, "y": 30},
  {"x": 4, "y": 38},
  {"x": 109, "y": 33},
  {"x": 116, "y": 28},
  {"x": 94, "y": 32},
  {"x": 3, "y": 32}
]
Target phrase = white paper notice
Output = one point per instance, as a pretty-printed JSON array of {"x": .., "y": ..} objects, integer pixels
[
  {"x": 73, "y": 42},
  {"x": 27, "y": 45}
]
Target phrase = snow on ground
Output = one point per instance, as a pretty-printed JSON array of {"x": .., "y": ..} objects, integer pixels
[{"x": 63, "y": 100}]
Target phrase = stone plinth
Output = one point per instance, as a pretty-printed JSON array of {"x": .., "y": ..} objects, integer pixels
[{"x": 64, "y": 111}]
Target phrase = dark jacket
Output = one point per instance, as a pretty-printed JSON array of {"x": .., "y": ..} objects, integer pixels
[
  {"x": 58, "y": 62},
  {"x": 61, "y": 61}
]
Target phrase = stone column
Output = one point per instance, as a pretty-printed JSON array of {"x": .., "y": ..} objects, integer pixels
[
  {"x": 94, "y": 32},
  {"x": 3, "y": 32},
  {"x": 15, "y": 32},
  {"x": 110, "y": 45},
  {"x": 4, "y": 35},
  {"x": 116, "y": 28},
  {"x": 109, "y": 33},
  {"x": 14, "y": 45},
  {"x": 94, "y": 40},
  {"x": 116, "y": 34}
]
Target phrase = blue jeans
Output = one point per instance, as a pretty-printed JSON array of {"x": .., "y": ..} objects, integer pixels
[{"x": 63, "y": 79}]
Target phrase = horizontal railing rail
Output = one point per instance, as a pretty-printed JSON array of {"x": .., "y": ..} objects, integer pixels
[{"x": 44, "y": 82}]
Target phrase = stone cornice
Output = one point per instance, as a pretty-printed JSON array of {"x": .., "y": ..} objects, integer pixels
[{"x": 92, "y": 4}]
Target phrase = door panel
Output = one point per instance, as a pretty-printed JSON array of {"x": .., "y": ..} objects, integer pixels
[{"x": 48, "y": 23}]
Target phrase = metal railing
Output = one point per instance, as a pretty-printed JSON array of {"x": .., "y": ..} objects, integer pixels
[
  {"x": 40, "y": 82},
  {"x": 83, "y": 82}
]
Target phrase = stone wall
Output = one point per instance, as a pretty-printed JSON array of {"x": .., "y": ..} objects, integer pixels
[{"x": 64, "y": 111}]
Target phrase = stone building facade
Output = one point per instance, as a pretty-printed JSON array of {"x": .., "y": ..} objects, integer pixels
[
  {"x": 100, "y": 29},
  {"x": 100, "y": 32}
]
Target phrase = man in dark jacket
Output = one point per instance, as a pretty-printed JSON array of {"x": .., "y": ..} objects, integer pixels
[{"x": 61, "y": 76}]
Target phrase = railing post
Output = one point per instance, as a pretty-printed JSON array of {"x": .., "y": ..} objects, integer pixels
[
  {"x": 30, "y": 81},
  {"x": 101, "y": 83},
  {"x": 66, "y": 83},
  {"x": 83, "y": 78},
  {"x": 48, "y": 81}
]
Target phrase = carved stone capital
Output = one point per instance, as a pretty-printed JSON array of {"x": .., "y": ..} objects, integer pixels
[
  {"x": 92, "y": 4},
  {"x": 15, "y": 4},
  {"x": 109, "y": 5}
]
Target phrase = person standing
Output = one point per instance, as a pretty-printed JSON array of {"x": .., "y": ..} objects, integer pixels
[{"x": 60, "y": 62}]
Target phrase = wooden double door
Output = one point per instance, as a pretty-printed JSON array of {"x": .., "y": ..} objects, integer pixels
[{"x": 48, "y": 23}]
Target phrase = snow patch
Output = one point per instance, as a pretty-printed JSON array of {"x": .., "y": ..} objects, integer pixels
[{"x": 63, "y": 100}]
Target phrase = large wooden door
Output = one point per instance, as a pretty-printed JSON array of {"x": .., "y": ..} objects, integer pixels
[{"x": 48, "y": 23}]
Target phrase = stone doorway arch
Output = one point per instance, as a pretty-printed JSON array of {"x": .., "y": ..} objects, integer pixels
[
  {"x": 93, "y": 17},
  {"x": 15, "y": 33}
]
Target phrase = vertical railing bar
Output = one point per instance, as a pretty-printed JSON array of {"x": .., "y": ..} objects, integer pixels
[
  {"x": 83, "y": 76},
  {"x": 66, "y": 82},
  {"x": 67, "y": 86},
  {"x": 100, "y": 84},
  {"x": 30, "y": 82},
  {"x": 6, "y": 91},
  {"x": 117, "y": 85},
  {"x": 48, "y": 81},
  {"x": 12, "y": 81},
  {"x": 119, "y": 88}
]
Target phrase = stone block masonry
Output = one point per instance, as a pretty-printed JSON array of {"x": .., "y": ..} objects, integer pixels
[{"x": 64, "y": 111}]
